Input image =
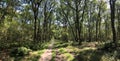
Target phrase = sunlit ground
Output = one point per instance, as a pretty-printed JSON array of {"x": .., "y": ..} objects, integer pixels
[{"x": 60, "y": 51}]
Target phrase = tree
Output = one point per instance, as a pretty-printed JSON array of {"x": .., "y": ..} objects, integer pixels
[
  {"x": 112, "y": 8},
  {"x": 118, "y": 20}
]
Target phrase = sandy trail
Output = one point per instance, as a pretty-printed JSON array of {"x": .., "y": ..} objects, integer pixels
[{"x": 46, "y": 56}]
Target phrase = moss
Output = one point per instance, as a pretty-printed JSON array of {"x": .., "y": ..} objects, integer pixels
[
  {"x": 20, "y": 51},
  {"x": 68, "y": 57},
  {"x": 62, "y": 50},
  {"x": 53, "y": 55}
]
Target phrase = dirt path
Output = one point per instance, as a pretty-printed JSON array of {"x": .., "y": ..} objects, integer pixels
[
  {"x": 59, "y": 57},
  {"x": 46, "y": 56}
]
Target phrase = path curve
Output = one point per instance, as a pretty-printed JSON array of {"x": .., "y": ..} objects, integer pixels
[{"x": 46, "y": 56}]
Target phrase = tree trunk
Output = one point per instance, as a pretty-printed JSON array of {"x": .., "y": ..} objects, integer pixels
[
  {"x": 118, "y": 27},
  {"x": 35, "y": 28},
  {"x": 112, "y": 7}
]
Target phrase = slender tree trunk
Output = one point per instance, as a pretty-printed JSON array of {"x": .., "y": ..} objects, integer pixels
[
  {"x": 77, "y": 22},
  {"x": 81, "y": 23},
  {"x": 99, "y": 25},
  {"x": 106, "y": 30},
  {"x": 112, "y": 7},
  {"x": 118, "y": 27},
  {"x": 35, "y": 27},
  {"x": 96, "y": 30}
]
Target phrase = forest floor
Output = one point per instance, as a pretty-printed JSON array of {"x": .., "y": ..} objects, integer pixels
[
  {"x": 59, "y": 51},
  {"x": 47, "y": 55},
  {"x": 66, "y": 51}
]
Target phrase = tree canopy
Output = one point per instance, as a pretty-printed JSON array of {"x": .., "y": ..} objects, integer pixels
[{"x": 40, "y": 21}]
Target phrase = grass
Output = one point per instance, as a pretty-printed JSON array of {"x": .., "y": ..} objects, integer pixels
[
  {"x": 53, "y": 55},
  {"x": 88, "y": 52},
  {"x": 62, "y": 50},
  {"x": 33, "y": 56},
  {"x": 68, "y": 57},
  {"x": 85, "y": 52}
]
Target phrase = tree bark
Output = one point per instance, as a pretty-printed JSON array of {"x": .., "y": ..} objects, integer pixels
[{"x": 112, "y": 7}]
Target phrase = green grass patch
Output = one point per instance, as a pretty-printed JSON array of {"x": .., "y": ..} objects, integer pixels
[
  {"x": 33, "y": 56},
  {"x": 68, "y": 57},
  {"x": 62, "y": 50},
  {"x": 20, "y": 51},
  {"x": 53, "y": 55}
]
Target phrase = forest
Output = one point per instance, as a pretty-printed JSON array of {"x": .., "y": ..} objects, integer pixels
[{"x": 59, "y": 30}]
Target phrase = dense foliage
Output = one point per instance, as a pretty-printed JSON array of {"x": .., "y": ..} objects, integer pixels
[{"x": 32, "y": 24}]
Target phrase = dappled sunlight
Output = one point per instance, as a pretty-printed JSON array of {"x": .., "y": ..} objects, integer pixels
[
  {"x": 59, "y": 30},
  {"x": 88, "y": 48},
  {"x": 46, "y": 56},
  {"x": 65, "y": 53}
]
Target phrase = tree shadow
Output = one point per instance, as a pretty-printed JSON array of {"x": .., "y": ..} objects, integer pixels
[
  {"x": 89, "y": 55},
  {"x": 60, "y": 45}
]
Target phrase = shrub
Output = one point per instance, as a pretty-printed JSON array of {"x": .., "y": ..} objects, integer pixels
[
  {"x": 108, "y": 47},
  {"x": 20, "y": 51},
  {"x": 62, "y": 50},
  {"x": 69, "y": 57}
]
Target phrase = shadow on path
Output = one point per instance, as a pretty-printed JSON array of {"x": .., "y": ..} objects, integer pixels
[{"x": 47, "y": 55}]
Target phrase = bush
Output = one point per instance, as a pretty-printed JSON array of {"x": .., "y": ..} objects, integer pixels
[
  {"x": 38, "y": 46},
  {"x": 20, "y": 51},
  {"x": 68, "y": 57},
  {"x": 108, "y": 47},
  {"x": 62, "y": 50}
]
